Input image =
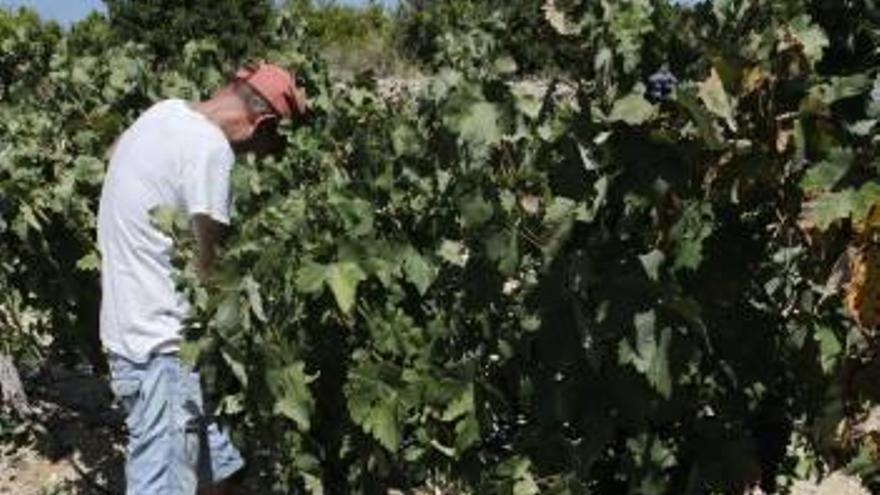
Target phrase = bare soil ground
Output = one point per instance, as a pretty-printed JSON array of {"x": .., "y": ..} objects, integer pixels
[
  {"x": 76, "y": 444},
  {"x": 78, "y": 438}
]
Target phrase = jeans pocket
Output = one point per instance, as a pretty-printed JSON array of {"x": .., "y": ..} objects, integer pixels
[
  {"x": 127, "y": 392},
  {"x": 189, "y": 412}
]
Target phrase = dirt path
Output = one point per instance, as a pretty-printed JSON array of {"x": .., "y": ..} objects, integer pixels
[{"x": 77, "y": 444}]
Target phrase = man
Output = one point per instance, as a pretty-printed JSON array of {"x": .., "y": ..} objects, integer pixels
[{"x": 176, "y": 154}]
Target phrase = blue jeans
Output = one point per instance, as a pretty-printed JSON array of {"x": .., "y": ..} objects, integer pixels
[{"x": 173, "y": 448}]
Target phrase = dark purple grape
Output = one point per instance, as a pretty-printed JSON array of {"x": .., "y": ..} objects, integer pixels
[{"x": 661, "y": 84}]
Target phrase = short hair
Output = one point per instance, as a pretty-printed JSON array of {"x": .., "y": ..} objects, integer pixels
[{"x": 253, "y": 100}]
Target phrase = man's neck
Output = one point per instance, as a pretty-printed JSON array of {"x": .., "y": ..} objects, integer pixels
[{"x": 216, "y": 113}]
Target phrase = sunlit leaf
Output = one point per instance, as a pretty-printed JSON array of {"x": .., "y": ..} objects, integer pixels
[
  {"x": 293, "y": 399},
  {"x": 827, "y": 173},
  {"x": 693, "y": 227},
  {"x": 712, "y": 93},
  {"x": 343, "y": 279},
  {"x": 633, "y": 110},
  {"x": 419, "y": 270}
]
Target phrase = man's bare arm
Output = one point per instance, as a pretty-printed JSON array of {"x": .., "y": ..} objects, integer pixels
[{"x": 209, "y": 235}]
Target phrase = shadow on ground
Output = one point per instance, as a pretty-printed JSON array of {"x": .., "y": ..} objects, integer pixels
[
  {"x": 79, "y": 438},
  {"x": 78, "y": 423}
]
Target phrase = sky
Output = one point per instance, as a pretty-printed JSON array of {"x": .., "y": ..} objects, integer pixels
[
  {"x": 67, "y": 11},
  {"x": 63, "y": 11}
]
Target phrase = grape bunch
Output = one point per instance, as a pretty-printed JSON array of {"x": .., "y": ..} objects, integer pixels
[{"x": 660, "y": 85}]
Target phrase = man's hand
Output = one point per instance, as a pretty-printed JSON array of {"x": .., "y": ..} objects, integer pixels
[{"x": 209, "y": 235}]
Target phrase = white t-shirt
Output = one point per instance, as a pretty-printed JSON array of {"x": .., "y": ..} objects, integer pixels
[{"x": 171, "y": 156}]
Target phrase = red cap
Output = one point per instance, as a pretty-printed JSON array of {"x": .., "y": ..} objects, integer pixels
[{"x": 276, "y": 86}]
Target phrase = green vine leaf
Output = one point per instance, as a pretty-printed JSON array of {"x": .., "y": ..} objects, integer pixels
[
  {"x": 293, "y": 399},
  {"x": 419, "y": 271},
  {"x": 343, "y": 279},
  {"x": 712, "y": 93},
  {"x": 827, "y": 173},
  {"x": 374, "y": 405},
  {"x": 633, "y": 110}
]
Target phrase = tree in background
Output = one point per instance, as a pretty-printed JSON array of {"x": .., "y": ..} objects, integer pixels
[
  {"x": 239, "y": 26},
  {"x": 421, "y": 23},
  {"x": 86, "y": 36},
  {"x": 424, "y": 30},
  {"x": 27, "y": 46},
  {"x": 351, "y": 39},
  {"x": 329, "y": 22}
]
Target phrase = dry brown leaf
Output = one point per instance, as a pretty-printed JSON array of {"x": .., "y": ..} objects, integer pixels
[
  {"x": 753, "y": 78},
  {"x": 870, "y": 424},
  {"x": 871, "y": 222},
  {"x": 840, "y": 273},
  {"x": 862, "y": 297}
]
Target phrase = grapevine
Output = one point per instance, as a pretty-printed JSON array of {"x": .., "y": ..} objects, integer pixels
[{"x": 543, "y": 265}]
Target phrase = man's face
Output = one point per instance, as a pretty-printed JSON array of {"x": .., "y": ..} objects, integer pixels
[
  {"x": 256, "y": 130},
  {"x": 244, "y": 112}
]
